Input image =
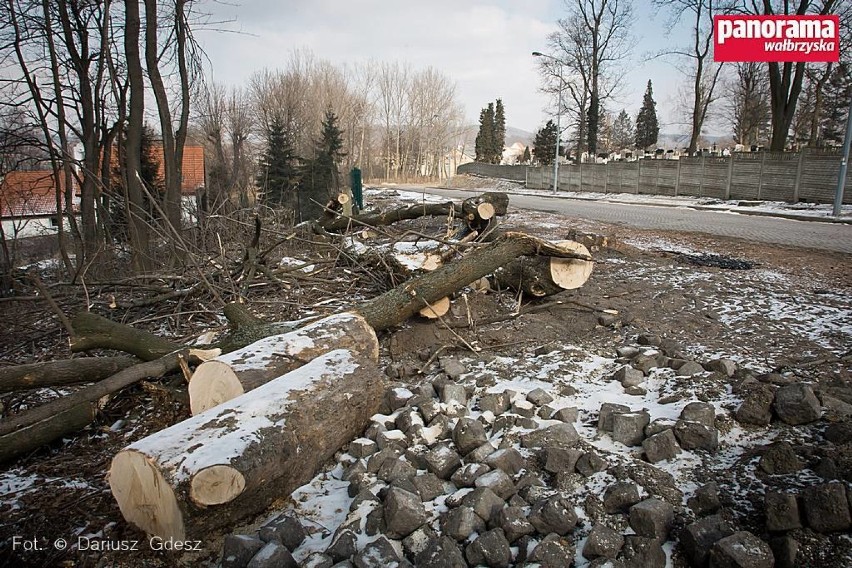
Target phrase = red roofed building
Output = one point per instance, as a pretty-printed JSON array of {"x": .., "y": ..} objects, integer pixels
[{"x": 193, "y": 168}]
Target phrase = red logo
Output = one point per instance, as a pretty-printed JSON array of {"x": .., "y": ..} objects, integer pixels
[{"x": 776, "y": 38}]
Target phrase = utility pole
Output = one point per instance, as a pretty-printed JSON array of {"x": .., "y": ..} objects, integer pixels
[{"x": 844, "y": 162}]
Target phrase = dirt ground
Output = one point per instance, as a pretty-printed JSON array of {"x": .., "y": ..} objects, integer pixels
[{"x": 790, "y": 312}]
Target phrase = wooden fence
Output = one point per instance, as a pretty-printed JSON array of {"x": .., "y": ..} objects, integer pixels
[{"x": 809, "y": 175}]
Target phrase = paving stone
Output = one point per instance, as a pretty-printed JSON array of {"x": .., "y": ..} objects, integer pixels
[
  {"x": 504, "y": 422},
  {"x": 409, "y": 418},
  {"x": 643, "y": 552},
  {"x": 554, "y": 515},
  {"x": 353, "y": 470},
  {"x": 741, "y": 550},
  {"x": 484, "y": 503},
  {"x": 452, "y": 367},
  {"x": 699, "y": 537},
  {"x": 392, "y": 439},
  {"x": 661, "y": 447},
  {"x": 590, "y": 463},
  {"x": 539, "y": 397},
  {"x": 514, "y": 523},
  {"x": 442, "y": 461},
  {"x": 839, "y": 434},
  {"x": 395, "y": 470},
  {"x": 652, "y": 518},
  {"x": 509, "y": 460},
  {"x": 782, "y": 512},
  {"x": 397, "y": 397},
  {"x": 557, "y": 435},
  {"x": 780, "y": 458},
  {"x": 439, "y": 428},
  {"x": 378, "y": 554},
  {"x": 453, "y": 393},
  {"x": 554, "y": 552},
  {"x": 545, "y": 412},
  {"x": 602, "y": 542},
  {"x": 375, "y": 522},
  {"x": 756, "y": 407},
  {"x": 649, "y": 339},
  {"x": 627, "y": 351},
  {"x": 496, "y": 403},
  {"x": 403, "y": 513},
  {"x": 696, "y": 436},
  {"x": 645, "y": 363},
  {"x": 608, "y": 409},
  {"x": 363, "y": 496},
  {"x": 441, "y": 552},
  {"x": 238, "y": 550},
  {"x": 344, "y": 564},
  {"x": 561, "y": 460},
  {"x": 461, "y": 522},
  {"x": 527, "y": 423},
  {"x": 418, "y": 541},
  {"x": 608, "y": 320},
  {"x": 827, "y": 508},
  {"x": 360, "y": 482},
  {"x": 706, "y": 499},
  {"x": 429, "y": 410},
  {"x": 479, "y": 454},
  {"x": 273, "y": 555},
  {"x": 689, "y": 369},
  {"x": 659, "y": 425},
  {"x": 620, "y": 496},
  {"x": 490, "y": 549},
  {"x": 628, "y": 376},
  {"x": 566, "y": 414},
  {"x": 466, "y": 475},
  {"x": 498, "y": 482},
  {"x": 523, "y": 408},
  {"x": 701, "y": 412},
  {"x": 343, "y": 546},
  {"x": 468, "y": 435},
  {"x": 362, "y": 447},
  {"x": 629, "y": 427},
  {"x": 635, "y": 391},
  {"x": 827, "y": 469},
  {"x": 318, "y": 560},
  {"x": 797, "y": 404},
  {"x": 725, "y": 366},
  {"x": 784, "y": 550},
  {"x": 285, "y": 529},
  {"x": 375, "y": 461}
]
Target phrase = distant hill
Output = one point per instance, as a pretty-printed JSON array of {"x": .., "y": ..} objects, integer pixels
[
  {"x": 674, "y": 141},
  {"x": 512, "y": 135}
]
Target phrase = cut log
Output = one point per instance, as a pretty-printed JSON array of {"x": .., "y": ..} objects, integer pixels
[
  {"x": 436, "y": 310},
  {"x": 232, "y": 461},
  {"x": 397, "y": 305},
  {"x": 541, "y": 276},
  {"x": 61, "y": 372},
  {"x": 230, "y": 375},
  {"x": 30, "y": 429}
]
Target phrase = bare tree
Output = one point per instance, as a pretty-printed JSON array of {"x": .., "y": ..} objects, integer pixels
[
  {"x": 703, "y": 73},
  {"x": 747, "y": 105},
  {"x": 591, "y": 42}
]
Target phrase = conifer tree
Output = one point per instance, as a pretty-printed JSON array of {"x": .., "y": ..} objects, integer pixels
[
  {"x": 499, "y": 132},
  {"x": 545, "y": 144},
  {"x": 623, "y": 132},
  {"x": 485, "y": 138},
  {"x": 527, "y": 156},
  {"x": 647, "y": 127},
  {"x": 278, "y": 173}
]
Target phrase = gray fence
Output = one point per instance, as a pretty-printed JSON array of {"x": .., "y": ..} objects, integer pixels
[
  {"x": 516, "y": 173},
  {"x": 808, "y": 175}
]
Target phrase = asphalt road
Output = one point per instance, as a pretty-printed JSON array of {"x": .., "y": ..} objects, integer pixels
[{"x": 774, "y": 230}]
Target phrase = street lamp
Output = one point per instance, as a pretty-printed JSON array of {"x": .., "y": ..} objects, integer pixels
[{"x": 558, "y": 116}]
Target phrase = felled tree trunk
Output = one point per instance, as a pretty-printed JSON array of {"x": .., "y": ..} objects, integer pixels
[
  {"x": 62, "y": 372},
  {"x": 234, "y": 460},
  {"x": 397, "y": 305},
  {"x": 540, "y": 276},
  {"x": 92, "y": 331},
  {"x": 30, "y": 429},
  {"x": 230, "y": 375}
]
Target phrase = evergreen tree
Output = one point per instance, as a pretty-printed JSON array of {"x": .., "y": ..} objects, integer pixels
[
  {"x": 623, "y": 132},
  {"x": 836, "y": 95},
  {"x": 321, "y": 176},
  {"x": 647, "y": 127},
  {"x": 544, "y": 148},
  {"x": 279, "y": 174},
  {"x": 499, "y": 132},
  {"x": 484, "y": 145},
  {"x": 527, "y": 156}
]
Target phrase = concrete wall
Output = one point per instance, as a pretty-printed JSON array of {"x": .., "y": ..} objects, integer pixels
[
  {"x": 515, "y": 173},
  {"x": 770, "y": 176}
]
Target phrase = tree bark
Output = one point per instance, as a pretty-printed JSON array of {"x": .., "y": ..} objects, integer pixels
[
  {"x": 93, "y": 331},
  {"x": 28, "y": 430},
  {"x": 397, "y": 305},
  {"x": 231, "y": 462},
  {"x": 229, "y": 376},
  {"x": 63, "y": 372}
]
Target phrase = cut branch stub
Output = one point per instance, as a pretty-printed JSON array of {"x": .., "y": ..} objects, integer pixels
[
  {"x": 232, "y": 461},
  {"x": 540, "y": 276},
  {"x": 228, "y": 376},
  {"x": 436, "y": 310}
]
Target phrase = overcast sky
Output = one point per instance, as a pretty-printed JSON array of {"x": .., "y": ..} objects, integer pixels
[{"x": 484, "y": 46}]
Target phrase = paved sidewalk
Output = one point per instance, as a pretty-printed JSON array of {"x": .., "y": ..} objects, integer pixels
[{"x": 775, "y": 229}]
